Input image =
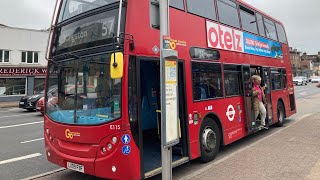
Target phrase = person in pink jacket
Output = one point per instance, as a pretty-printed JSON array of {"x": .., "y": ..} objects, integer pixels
[{"x": 258, "y": 98}]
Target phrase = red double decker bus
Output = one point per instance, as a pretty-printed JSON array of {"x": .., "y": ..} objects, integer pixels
[{"x": 103, "y": 60}]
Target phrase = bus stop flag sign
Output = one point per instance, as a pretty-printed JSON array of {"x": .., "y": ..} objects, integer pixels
[
  {"x": 171, "y": 135},
  {"x": 171, "y": 100}
]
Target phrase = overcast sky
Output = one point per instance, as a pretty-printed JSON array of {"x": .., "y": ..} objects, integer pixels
[
  {"x": 34, "y": 14},
  {"x": 300, "y": 18}
]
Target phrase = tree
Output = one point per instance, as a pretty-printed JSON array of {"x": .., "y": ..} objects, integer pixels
[{"x": 276, "y": 49}]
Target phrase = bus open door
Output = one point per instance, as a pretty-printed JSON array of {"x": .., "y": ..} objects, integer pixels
[
  {"x": 247, "y": 88},
  {"x": 266, "y": 77},
  {"x": 149, "y": 112}
]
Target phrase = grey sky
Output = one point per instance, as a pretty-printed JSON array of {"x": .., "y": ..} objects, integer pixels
[
  {"x": 300, "y": 18},
  {"x": 33, "y": 14}
]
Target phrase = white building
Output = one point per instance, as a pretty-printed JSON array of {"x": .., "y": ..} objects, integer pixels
[{"x": 22, "y": 62}]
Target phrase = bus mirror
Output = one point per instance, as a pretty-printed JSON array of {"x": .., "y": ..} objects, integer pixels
[{"x": 116, "y": 65}]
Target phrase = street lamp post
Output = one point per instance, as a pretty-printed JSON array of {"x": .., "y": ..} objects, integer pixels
[{"x": 296, "y": 57}]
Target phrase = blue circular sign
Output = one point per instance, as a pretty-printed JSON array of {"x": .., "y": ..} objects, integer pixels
[
  {"x": 126, "y": 150},
  {"x": 125, "y": 139}
]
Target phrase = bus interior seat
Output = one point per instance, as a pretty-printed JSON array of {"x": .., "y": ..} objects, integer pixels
[
  {"x": 196, "y": 93},
  {"x": 199, "y": 93}
]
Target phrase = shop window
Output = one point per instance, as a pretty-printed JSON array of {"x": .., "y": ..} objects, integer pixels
[
  {"x": 23, "y": 57},
  {"x": 30, "y": 57},
  {"x": 232, "y": 80},
  {"x": 12, "y": 86},
  {"x": 4, "y": 56},
  {"x": 39, "y": 85},
  {"x": 36, "y": 57},
  {"x": 207, "y": 81}
]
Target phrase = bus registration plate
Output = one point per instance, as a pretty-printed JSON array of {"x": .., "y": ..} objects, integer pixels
[{"x": 75, "y": 167}]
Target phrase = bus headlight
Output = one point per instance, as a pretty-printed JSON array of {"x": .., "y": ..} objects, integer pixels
[
  {"x": 109, "y": 146},
  {"x": 103, "y": 149},
  {"x": 114, "y": 140}
]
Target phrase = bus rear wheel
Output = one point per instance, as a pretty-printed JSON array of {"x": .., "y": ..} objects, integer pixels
[
  {"x": 210, "y": 137},
  {"x": 280, "y": 114}
]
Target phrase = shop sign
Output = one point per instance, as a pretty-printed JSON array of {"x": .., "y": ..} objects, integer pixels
[{"x": 23, "y": 71}]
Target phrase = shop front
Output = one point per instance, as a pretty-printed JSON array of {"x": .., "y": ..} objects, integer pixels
[{"x": 16, "y": 82}]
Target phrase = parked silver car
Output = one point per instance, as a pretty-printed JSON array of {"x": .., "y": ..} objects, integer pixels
[
  {"x": 300, "y": 80},
  {"x": 315, "y": 79}
]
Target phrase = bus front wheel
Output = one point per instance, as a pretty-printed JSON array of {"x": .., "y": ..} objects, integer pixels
[
  {"x": 280, "y": 114},
  {"x": 210, "y": 137}
]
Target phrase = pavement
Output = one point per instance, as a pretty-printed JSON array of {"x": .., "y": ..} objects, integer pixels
[
  {"x": 292, "y": 153},
  {"x": 289, "y": 152},
  {"x": 9, "y": 104}
]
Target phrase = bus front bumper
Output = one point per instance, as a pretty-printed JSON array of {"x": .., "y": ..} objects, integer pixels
[
  {"x": 61, "y": 159},
  {"x": 113, "y": 166}
]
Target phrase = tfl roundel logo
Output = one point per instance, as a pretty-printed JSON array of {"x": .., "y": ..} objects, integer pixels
[{"x": 230, "y": 112}]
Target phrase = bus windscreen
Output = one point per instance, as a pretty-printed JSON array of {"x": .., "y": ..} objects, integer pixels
[
  {"x": 71, "y": 8},
  {"x": 85, "y": 93}
]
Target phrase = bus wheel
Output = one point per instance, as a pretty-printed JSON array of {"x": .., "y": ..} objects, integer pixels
[
  {"x": 209, "y": 140},
  {"x": 280, "y": 114}
]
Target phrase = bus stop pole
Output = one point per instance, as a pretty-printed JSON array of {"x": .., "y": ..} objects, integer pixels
[{"x": 166, "y": 153}]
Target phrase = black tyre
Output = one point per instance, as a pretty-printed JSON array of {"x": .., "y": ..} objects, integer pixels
[
  {"x": 30, "y": 110},
  {"x": 280, "y": 114},
  {"x": 210, "y": 138}
]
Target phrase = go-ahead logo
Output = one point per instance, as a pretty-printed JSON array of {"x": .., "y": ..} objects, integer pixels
[{"x": 70, "y": 134}]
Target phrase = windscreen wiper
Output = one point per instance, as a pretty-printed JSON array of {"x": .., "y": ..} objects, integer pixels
[
  {"x": 72, "y": 55},
  {"x": 55, "y": 62}
]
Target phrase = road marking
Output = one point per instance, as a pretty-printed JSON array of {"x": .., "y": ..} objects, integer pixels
[
  {"x": 44, "y": 174},
  {"x": 17, "y": 115},
  {"x": 212, "y": 164},
  {"x": 17, "y": 125},
  {"x": 13, "y": 109},
  {"x": 32, "y": 140},
  {"x": 303, "y": 93},
  {"x": 20, "y": 158},
  {"x": 300, "y": 90}
]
